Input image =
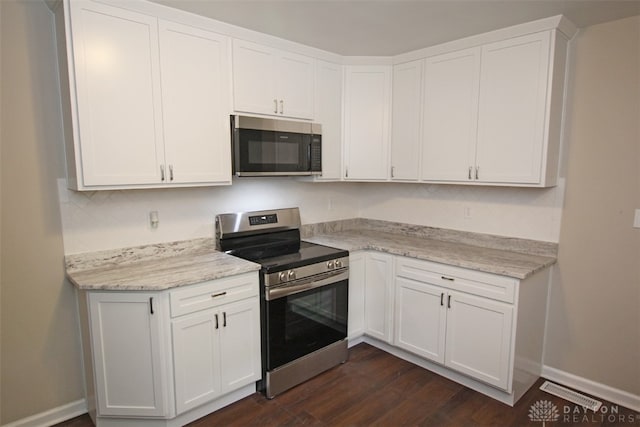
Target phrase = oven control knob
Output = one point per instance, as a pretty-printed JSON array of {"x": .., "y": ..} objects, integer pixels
[
  {"x": 338, "y": 263},
  {"x": 291, "y": 275},
  {"x": 330, "y": 265},
  {"x": 282, "y": 276}
]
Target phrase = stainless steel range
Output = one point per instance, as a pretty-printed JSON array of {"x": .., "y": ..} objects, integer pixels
[{"x": 304, "y": 288}]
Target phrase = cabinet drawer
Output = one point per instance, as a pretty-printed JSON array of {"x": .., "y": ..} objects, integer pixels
[
  {"x": 213, "y": 293},
  {"x": 488, "y": 285}
]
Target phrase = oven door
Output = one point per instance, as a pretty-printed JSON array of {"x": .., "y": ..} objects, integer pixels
[{"x": 300, "y": 323}]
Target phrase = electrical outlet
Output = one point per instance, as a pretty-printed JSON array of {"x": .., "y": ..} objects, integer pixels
[
  {"x": 636, "y": 220},
  {"x": 468, "y": 214},
  {"x": 154, "y": 221}
]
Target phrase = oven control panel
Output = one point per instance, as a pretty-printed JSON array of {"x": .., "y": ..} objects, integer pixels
[
  {"x": 307, "y": 272},
  {"x": 263, "y": 219}
]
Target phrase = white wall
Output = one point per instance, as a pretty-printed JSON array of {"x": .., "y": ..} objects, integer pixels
[
  {"x": 594, "y": 313},
  {"x": 41, "y": 362},
  {"x": 530, "y": 213},
  {"x": 113, "y": 219}
]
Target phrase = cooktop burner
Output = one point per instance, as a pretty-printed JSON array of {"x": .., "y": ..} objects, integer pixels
[
  {"x": 270, "y": 238},
  {"x": 307, "y": 254}
]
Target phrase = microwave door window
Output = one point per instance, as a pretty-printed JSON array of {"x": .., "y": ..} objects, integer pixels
[{"x": 281, "y": 154}]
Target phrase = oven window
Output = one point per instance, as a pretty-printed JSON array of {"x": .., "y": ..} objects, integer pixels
[{"x": 302, "y": 323}]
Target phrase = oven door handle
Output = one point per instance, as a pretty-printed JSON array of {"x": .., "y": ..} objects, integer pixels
[{"x": 283, "y": 291}]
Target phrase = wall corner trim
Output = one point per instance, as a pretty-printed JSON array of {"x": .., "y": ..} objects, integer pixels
[
  {"x": 52, "y": 416},
  {"x": 603, "y": 391}
]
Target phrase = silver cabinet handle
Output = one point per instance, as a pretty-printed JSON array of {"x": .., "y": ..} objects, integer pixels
[
  {"x": 161, "y": 172},
  {"x": 477, "y": 171},
  {"x": 170, "y": 172},
  {"x": 393, "y": 170},
  {"x": 275, "y": 106},
  {"x": 470, "y": 167},
  {"x": 281, "y": 106}
]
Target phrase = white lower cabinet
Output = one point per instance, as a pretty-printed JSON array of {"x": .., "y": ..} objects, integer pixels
[
  {"x": 215, "y": 351},
  {"x": 129, "y": 345},
  {"x": 378, "y": 296},
  {"x": 468, "y": 333},
  {"x": 483, "y": 330},
  {"x": 210, "y": 331},
  {"x": 355, "y": 324},
  {"x": 478, "y": 338}
]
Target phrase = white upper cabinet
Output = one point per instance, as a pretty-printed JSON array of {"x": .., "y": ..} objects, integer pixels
[
  {"x": 117, "y": 79},
  {"x": 406, "y": 120},
  {"x": 270, "y": 81},
  {"x": 492, "y": 113},
  {"x": 513, "y": 99},
  {"x": 149, "y": 100},
  {"x": 328, "y": 112},
  {"x": 195, "y": 102},
  {"x": 367, "y": 122},
  {"x": 450, "y": 115}
]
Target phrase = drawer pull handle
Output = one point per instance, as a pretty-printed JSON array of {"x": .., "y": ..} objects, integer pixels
[
  {"x": 216, "y": 321},
  {"x": 442, "y": 299},
  {"x": 221, "y": 294},
  {"x": 449, "y": 302},
  {"x": 451, "y": 279},
  {"x": 224, "y": 319}
]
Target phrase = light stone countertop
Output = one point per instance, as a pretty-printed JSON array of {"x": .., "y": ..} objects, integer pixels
[
  {"x": 162, "y": 266},
  {"x": 491, "y": 260},
  {"x": 154, "y": 267}
]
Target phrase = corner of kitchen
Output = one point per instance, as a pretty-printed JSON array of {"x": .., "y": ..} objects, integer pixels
[{"x": 201, "y": 213}]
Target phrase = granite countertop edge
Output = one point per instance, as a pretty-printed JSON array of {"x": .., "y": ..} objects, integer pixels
[
  {"x": 508, "y": 263},
  {"x": 161, "y": 266}
]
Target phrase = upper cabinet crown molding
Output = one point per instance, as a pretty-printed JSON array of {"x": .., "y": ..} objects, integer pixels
[{"x": 558, "y": 22}]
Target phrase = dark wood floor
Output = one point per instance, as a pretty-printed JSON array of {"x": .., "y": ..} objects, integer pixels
[{"x": 376, "y": 388}]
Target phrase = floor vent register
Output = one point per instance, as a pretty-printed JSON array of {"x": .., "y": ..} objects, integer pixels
[{"x": 571, "y": 396}]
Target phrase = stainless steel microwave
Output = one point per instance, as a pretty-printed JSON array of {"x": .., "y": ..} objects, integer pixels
[{"x": 272, "y": 147}]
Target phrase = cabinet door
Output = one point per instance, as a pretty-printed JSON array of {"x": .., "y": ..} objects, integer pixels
[
  {"x": 511, "y": 119},
  {"x": 196, "y": 359},
  {"x": 450, "y": 116},
  {"x": 479, "y": 334},
  {"x": 356, "y": 294},
  {"x": 239, "y": 344},
  {"x": 378, "y": 296},
  {"x": 406, "y": 121},
  {"x": 420, "y": 319},
  {"x": 195, "y": 97},
  {"x": 128, "y": 345},
  {"x": 118, "y": 94},
  {"x": 368, "y": 97},
  {"x": 328, "y": 112},
  {"x": 295, "y": 85},
  {"x": 254, "y": 78}
]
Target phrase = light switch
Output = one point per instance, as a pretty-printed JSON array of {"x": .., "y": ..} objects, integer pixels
[{"x": 636, "y": 220}]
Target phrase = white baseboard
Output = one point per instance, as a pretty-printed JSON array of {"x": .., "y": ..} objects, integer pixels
[
  {"x": 52, "y": 416},
  {"x": 602, "y": 391}
]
